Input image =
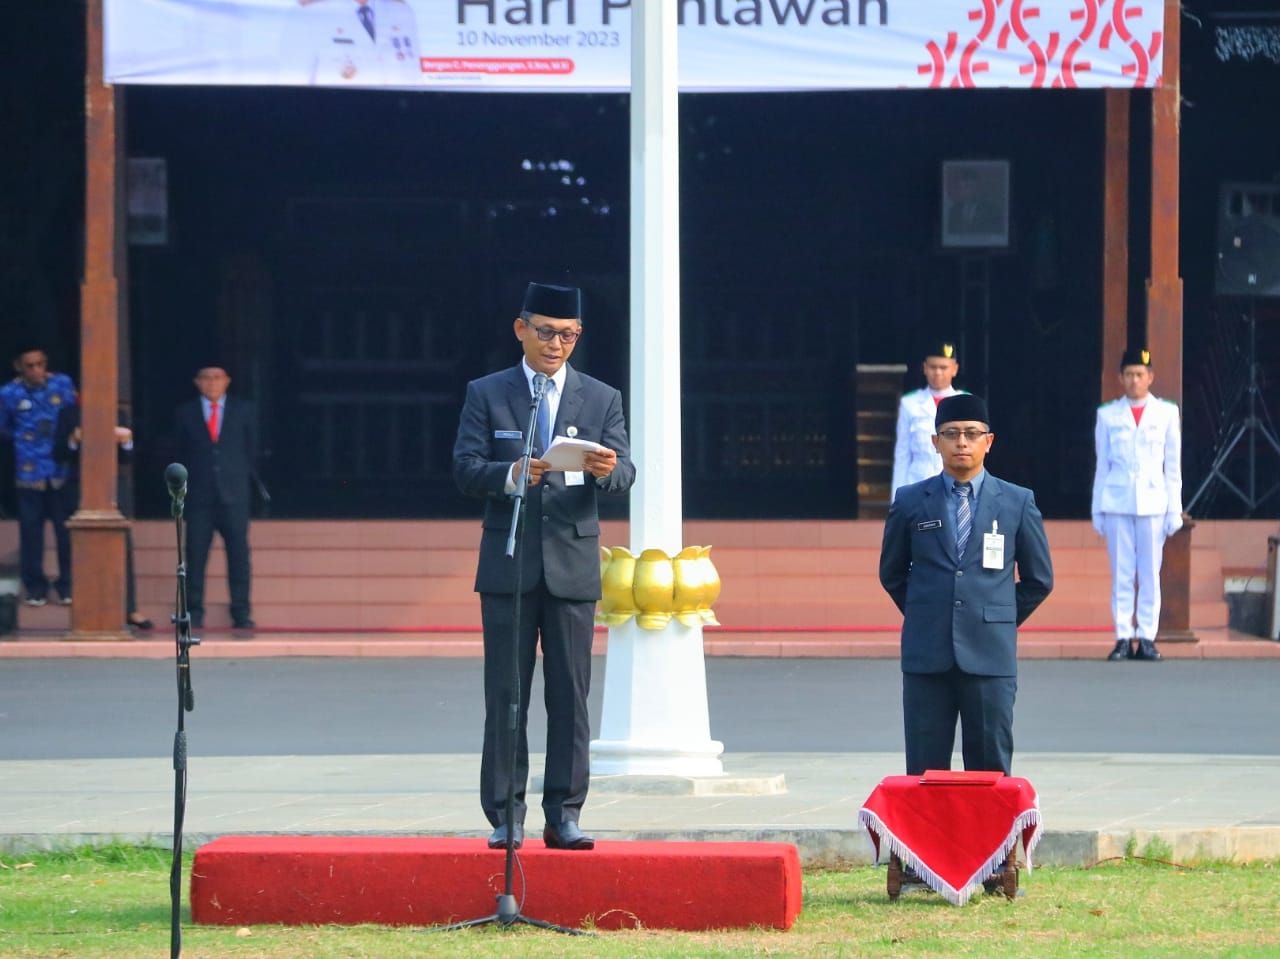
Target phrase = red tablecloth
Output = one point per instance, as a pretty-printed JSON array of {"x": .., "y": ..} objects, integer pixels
[{"x": 953, "y": 834}]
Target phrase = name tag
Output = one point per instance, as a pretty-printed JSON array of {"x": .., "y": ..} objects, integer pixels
[
  {"x": 929, "y": 524},
  {"x": 507, "y": 435},
  {"x": 993, "y": 548}
]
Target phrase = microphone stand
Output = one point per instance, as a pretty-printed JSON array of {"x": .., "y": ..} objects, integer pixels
[
  {"x": 186, "y": 703},
  {"x": 508, "y": 910}
]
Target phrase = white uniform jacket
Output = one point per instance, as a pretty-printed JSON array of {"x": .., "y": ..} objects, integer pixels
[
  {"x": 914, "y": 458},
  {"x": 1139, "y": 469}
]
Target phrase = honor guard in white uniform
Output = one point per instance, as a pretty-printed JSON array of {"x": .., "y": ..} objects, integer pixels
[
  {"x": 1137, "y": 500},
  {"x": 914, "y": 458},
  {"x": 333, "y": 43}
]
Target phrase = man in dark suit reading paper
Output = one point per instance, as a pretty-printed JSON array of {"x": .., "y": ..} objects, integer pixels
[{"x": 558, "y": 553}]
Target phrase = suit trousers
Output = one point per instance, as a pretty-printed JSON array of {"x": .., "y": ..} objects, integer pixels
[
  {"x": 931, "y": 704},
  {"x": 130, "y": 583},
  {"x": 1135, "y": 545},
  {"x": 232, "y": 524},
  {"x": 565, "y": 630},
  {"x": 34, "y": 507}
]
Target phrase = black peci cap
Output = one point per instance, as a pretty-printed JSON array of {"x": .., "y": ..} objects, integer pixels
[
  {"x": 944, "y": 348},
  {"x": 1133, "y": 357},
  {"x": 962, "y": 406},
  {"x": 557, "y": 302}
]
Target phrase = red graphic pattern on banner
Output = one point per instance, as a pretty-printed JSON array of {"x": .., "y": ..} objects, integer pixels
[{"x": 1009, "y": 27}]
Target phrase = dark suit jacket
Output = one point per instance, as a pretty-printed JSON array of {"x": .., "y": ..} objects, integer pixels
[
  {"x": 218, "y": 472},
  {"x": 562, "y": 525},
  {"x": 955, "y": 612}
]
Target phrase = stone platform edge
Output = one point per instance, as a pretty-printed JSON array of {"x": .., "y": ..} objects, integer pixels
[
  {"x": 819, "y": 846},
  {"x": 1211, "y": 643}
]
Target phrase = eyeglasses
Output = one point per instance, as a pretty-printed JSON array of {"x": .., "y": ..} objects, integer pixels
[
  {"x": 545, "y": 333},
  {"x": 972, "y": 436}
]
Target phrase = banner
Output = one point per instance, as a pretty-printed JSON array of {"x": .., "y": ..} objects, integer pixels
[{"x": 585, "y": 45}]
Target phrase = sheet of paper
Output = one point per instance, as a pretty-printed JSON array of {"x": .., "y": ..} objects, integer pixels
[{"x": 565, "y": 453}]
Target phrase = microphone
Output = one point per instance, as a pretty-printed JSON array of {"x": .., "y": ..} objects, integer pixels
[
  {"x": 539, "y": 384},
  {"x": 175, "y": 476}
]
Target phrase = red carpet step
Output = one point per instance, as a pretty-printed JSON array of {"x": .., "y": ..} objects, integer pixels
[{"x": 346, "y": 880}]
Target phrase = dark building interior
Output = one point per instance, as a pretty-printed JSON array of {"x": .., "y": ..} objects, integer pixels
[{"x": 353, "y": 258}]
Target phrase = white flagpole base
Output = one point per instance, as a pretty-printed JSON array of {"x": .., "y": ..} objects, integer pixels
[{"x": 654, "y": 719}]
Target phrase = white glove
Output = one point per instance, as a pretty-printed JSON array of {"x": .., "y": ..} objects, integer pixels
[
  {"x": 1097, "y": 523},
  {"x": 1172, "y": 523}
]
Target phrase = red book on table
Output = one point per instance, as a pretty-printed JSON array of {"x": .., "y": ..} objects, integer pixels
[{"x": 960, "y": 777}]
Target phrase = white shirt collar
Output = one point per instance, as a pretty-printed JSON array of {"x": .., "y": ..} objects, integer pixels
[{"x": 557, "y": 379}]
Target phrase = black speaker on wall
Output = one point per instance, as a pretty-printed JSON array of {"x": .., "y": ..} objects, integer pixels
[{"x": 1248, "y": 240}]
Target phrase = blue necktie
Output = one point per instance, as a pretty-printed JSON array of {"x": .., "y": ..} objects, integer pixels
[
  {"x": 964, "y": 518},
  {"x": 365, "y": 14},
  {"x": 544, "y": 417}
]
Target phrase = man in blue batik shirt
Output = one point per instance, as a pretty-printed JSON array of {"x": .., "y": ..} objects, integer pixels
[{"x": 29, "y": 407}]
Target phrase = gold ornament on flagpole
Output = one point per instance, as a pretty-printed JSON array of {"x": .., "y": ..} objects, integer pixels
[
  {"x": 653, "y": 587},
  {"x": 710, "y": 587},
  {"x": 617, "y": 570},
  {"x": 690, "y": 586}
]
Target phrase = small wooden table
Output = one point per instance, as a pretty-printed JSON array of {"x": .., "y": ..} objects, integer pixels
[{"x": 954, "y": 829}]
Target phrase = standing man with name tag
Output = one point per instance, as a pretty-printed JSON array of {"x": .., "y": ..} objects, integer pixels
[
  {"x": 951, "y": 545},
  {"x": 558, "y": 552}
]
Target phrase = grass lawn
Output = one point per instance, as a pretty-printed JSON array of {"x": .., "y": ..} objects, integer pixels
[{"x": 114, "y": 902}]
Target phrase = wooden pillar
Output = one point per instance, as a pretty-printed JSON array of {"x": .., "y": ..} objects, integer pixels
[
  {"x": 1115, "y": 240},
  {"x": 1164, "y": 303},
  {"x": 98, "y": 528}
]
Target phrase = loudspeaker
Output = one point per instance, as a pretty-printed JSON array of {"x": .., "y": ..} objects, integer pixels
[{"x": 1248, "y": 240}]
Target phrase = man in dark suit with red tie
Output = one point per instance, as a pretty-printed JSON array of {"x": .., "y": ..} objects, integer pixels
[
  {"x": 558, "y": 555},
  {"x": 218, "y": 444}
]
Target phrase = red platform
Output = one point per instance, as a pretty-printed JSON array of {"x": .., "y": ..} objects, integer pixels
[{"x": 305, "y": 880}]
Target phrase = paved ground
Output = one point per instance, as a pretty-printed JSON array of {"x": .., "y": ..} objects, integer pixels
[{"x": 1185, "y": 752}]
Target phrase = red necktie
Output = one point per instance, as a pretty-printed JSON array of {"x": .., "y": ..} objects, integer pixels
[{"x": 213, "y": 422}]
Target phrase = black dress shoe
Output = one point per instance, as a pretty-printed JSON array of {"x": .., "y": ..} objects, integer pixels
[
  {"x": 566, "y": 835},
  {"x": 244, "y": 624},
  {"x": 1121, "y": 651},
  {"x": 498, "y": 840},
  {"x": 143, "y": 624},
  {"x": 1147, "y": 650}
]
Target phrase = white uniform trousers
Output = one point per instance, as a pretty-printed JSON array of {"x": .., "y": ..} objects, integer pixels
[{"x": 1136, "y": 547}]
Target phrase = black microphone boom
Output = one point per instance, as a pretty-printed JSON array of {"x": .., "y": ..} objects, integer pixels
[{"x": 175, "y": 476}]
